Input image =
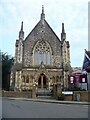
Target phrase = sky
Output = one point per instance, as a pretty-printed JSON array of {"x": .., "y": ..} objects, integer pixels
[{"x": 73, "y": 13}]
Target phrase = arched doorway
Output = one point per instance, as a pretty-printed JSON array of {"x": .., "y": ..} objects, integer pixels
[{"x": 42, "y": 81}]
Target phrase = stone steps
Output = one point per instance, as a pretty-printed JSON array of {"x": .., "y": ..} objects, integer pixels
[{"x": 44, "y": 97}]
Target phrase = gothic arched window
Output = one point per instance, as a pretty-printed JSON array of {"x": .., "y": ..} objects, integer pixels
[{"x": 42, "y": 53}]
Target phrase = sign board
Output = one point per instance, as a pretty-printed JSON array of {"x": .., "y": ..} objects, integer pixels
[{"x": 67, "y": 92}]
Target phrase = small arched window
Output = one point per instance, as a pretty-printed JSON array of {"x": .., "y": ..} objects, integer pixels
[
  {"x": 23, "y": 79},
  {"x": 27, "y": 79}
]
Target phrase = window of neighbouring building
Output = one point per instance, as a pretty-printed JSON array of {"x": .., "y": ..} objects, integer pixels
[
  {"x": 71, "y": 79},
  {"x": 83, "y": 80}
]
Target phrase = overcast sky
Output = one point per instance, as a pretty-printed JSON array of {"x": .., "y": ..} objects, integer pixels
[{"x": 74, "y": 14}]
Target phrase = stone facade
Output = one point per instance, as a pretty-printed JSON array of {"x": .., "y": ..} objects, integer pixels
[{"x": 41, "y": 59}]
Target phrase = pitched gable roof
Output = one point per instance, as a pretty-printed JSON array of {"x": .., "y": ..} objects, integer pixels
[
  {"x": 39, "y": 23},
  {"x": 32, "y": 30},
  {"x": 52, "y": 30}
]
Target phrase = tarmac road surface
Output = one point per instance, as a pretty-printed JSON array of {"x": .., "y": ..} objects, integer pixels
[{"x": 31, "y": 109}]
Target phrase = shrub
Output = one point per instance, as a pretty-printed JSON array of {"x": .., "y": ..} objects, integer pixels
[{"x": 60, "y": 96}]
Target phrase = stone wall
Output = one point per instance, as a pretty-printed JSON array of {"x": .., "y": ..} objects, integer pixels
[
  {"x": 84, "y": 95},
  {"x": 24, "y": 94},
  {"x": 78, "y": 96},
  {"x": 68, "y": 97}
]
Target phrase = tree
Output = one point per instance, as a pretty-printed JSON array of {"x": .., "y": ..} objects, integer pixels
[{"x": 7, "y": 62}]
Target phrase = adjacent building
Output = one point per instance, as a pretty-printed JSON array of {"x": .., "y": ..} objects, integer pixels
[
  {"x": 86, "y": 66},
  {"x": 77, "y": 80}
]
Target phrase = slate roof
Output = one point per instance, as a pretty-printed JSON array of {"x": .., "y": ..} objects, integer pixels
[{"x": 88, "y": 53}]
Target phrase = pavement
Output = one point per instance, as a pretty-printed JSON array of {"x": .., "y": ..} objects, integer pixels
[{"x": 48, "y": 101}]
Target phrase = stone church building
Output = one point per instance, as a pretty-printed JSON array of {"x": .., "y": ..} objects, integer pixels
[{"x": 42, "y": 59}]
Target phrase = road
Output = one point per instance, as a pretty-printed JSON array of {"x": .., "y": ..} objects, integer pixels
[{"x": 30, "y": 109}]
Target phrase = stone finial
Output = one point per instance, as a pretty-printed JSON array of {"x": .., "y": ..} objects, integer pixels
[
  {"x": 42, "y": 14},
  {"x": 63, "y": 34},
  {"x": 22, "y": 26},
  {"x": 63, "y": 30},
  {"x": 43, "y": 9},
  {"x": 21, "y": 33}
]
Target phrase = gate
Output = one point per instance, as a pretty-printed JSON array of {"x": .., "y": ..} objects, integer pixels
[{"x": 43, "y": 92}]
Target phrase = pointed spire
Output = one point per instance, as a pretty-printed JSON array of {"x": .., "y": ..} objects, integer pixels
[
  {"x": 42, "y": 9},
  {"x": 21, "y": 33},
  {"x": 22, "y": 26},
  {"x": 42, "y": 14},
  {"x": 63, "y": 31},
  {"x": 63, "y": 34}
]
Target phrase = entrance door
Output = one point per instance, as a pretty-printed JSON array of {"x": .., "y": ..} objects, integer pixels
[
  {"x": 42, "y": 81},
  {"x": 39, "y": 82}
]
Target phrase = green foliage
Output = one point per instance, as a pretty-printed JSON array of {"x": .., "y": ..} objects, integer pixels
[
  {"x": 6, "y": 62},
  {"x": 60, "y": 96}
]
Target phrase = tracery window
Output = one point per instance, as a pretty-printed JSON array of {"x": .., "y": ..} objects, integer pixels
[{"x": 42, "y": 53}]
